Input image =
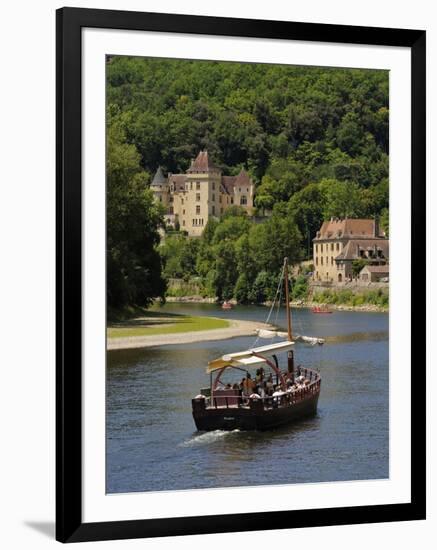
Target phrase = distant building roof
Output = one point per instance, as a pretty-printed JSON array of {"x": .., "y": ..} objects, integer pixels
[
  {"x": 202, "y": 163},
  {"x": 159, "y": 179},
  {"x": 377, "y": 268},
  {"x": 337, "y": 228},
  {"x": 230, "y": 182},
  {"x": 351, "y": 251}
]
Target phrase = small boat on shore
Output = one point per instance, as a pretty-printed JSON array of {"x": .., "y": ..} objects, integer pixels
[
  {"x": 271, "y": 397},
  {"x": 321, "y": 309},
  {"x": 226, "y": 305}
]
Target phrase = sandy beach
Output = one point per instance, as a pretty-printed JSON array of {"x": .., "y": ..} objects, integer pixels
[{"x": 235, "y": 329}]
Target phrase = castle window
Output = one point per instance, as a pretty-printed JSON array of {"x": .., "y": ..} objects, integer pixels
[
  {"x": 197, "y": 185},
  {"x": 183, "y": 211},
  {"x": 220, "y": 198},
  {"x": 170, "y": 210},
  {"x": 332, "y": 246},
  {"x": 213, "y": 210},
  {"x": 338, "y": 246},
  {"x": 198, "y": 197},
  {"x": 183, "y": 223},
  {"x": 182, "y": 201},
  {"x": 327, "y": 260},
  {"x": 160, "y": 198},
  {"x": 191, "y": 185},
  {"x": 232, "y": 200},
  {"x": 243, "y": 200},
  {"x": 321, "y": 260},
  {"x": 213, "y": 198},
  {"x": 198, "y": 209},
  {"x": 317, "y": 260},
  {"x": 221, "y": 210},
  {"x": 239, "y": 189},
  {"x": 332, "y": 260},
  {"x": 171, "y": 199},
  {"x": 213, "y": 185}
]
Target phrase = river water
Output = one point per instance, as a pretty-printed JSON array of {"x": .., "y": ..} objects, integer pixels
[{"x": 152, "y": 443}]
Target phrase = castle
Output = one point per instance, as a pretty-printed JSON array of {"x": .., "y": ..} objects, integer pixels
[{"x": 202, "y": 192}]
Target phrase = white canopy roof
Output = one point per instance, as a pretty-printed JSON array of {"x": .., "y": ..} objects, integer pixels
[{"x": 249, "y": 358}]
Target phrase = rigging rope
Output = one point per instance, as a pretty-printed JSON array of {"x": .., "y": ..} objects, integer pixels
[{"x": 279, "y": 289}]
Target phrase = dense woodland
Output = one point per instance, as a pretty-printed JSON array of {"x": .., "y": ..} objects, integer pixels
[{"x": 314, "y": 140}]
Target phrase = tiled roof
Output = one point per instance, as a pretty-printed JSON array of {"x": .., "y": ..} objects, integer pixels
[
  {"x": 228, "y": 182},
  {"x": 352, "y": 249},
  {"x": 377, "y": 268},
  {"x": 349, "y": 228},
  {"x": 202, "y": 163},
  {"x": 178, "y": 180}
]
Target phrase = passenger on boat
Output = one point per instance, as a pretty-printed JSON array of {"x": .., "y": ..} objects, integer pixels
[
  {"x": 269, "y": 385},
  {"x": 249, "y": 385}
]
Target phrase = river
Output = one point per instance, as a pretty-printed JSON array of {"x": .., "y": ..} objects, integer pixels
[{"x": 152, "y": 443}]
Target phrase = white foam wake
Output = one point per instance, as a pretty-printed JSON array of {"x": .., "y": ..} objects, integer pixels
[{"x": 207, "y": 437}]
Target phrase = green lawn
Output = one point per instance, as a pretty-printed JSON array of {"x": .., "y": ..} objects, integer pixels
[{"x": 182, "y": 323}]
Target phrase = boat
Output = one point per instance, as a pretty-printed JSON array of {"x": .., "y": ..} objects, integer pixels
[
  {"x": 226, "y": 305},
  {"x": 273, "y": 397},
  {"x": 321, "y": 309}
]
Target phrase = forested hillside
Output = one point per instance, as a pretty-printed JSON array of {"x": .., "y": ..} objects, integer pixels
[{"x": 315, "y": 141}]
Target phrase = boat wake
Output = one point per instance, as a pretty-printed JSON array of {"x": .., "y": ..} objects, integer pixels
[{"x": 207, "y": 438}]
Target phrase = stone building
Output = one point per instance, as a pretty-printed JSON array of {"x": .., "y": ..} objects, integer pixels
[
  {"x": 341, "y": 241},
  {"x": 374, "y": 274},
  {"x": 202, "y": 192}
]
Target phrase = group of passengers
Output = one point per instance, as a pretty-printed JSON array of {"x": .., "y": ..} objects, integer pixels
[{"x": 263, "y": 386}]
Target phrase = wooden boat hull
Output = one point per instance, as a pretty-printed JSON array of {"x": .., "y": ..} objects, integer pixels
[{"x": 254, "y": 417}]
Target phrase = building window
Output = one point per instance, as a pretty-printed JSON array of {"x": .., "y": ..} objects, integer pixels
[
  {"x": 327, "y": 260},
  {"x": 332, "y": 247},
  {"x": 170, "y": 210},
  {"x": 338, "y": 246},
  {"x": 321, "y": 260},
  {"x": 243, "y": 200},
  {"x": 160, "y": 198},
  {"x": 183, "y": 211},
  {"x": 213, "y": 185},
  {"x": 221, "y": 210},
  {"x": 198, "y": 209},
  {"x": 182, "y": 201},
  {"x": 171, "y": 199},
  {"x": 220, "y": 198},
  {"x": 197, "y": 185},
  {"x": 332, "y": 260},
  {"x": 197, "y": 197},
  {"x": 191, "y": 185},
  {"x": 317, "y": 260},
  {"x": 239, "y": 189},
  {"x": 213, "y": 198},
  {"x": 232, "y": 200},
  {"x": 213, "y": 210},
  {"x": 183, "y": 222}
]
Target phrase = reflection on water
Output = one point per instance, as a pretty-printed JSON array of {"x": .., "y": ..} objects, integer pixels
[{"x": 151, "y": 439}]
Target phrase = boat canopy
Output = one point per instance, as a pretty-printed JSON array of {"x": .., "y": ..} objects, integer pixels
[{"x": 249, "y": 358}]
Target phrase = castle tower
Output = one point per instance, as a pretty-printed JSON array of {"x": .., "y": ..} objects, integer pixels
[
  {"x": 159, "y": 186},
  {"x": 202, "y": 186}
]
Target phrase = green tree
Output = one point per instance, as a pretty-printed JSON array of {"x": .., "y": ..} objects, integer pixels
[{"x": 133, "y": 218}]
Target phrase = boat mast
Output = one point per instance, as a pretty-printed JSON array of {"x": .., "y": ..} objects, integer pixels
[{"x": 287, "y": 300}]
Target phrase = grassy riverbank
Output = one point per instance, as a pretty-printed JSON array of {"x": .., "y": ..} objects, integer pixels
[{"x": 153, "y": 323}]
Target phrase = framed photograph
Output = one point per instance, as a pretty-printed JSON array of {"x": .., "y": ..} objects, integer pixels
[{"x": 240, "y": 281}]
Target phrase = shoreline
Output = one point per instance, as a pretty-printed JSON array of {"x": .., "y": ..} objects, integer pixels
[
  {"x": 235, "y": 330},
  {"x": 367, "y": 308}
]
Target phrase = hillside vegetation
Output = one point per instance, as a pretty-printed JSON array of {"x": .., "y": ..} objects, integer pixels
[{"x": 314, "y": 140}]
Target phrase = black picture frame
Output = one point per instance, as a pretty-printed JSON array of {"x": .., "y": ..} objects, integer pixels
[{"x": 69, "y": 525}]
